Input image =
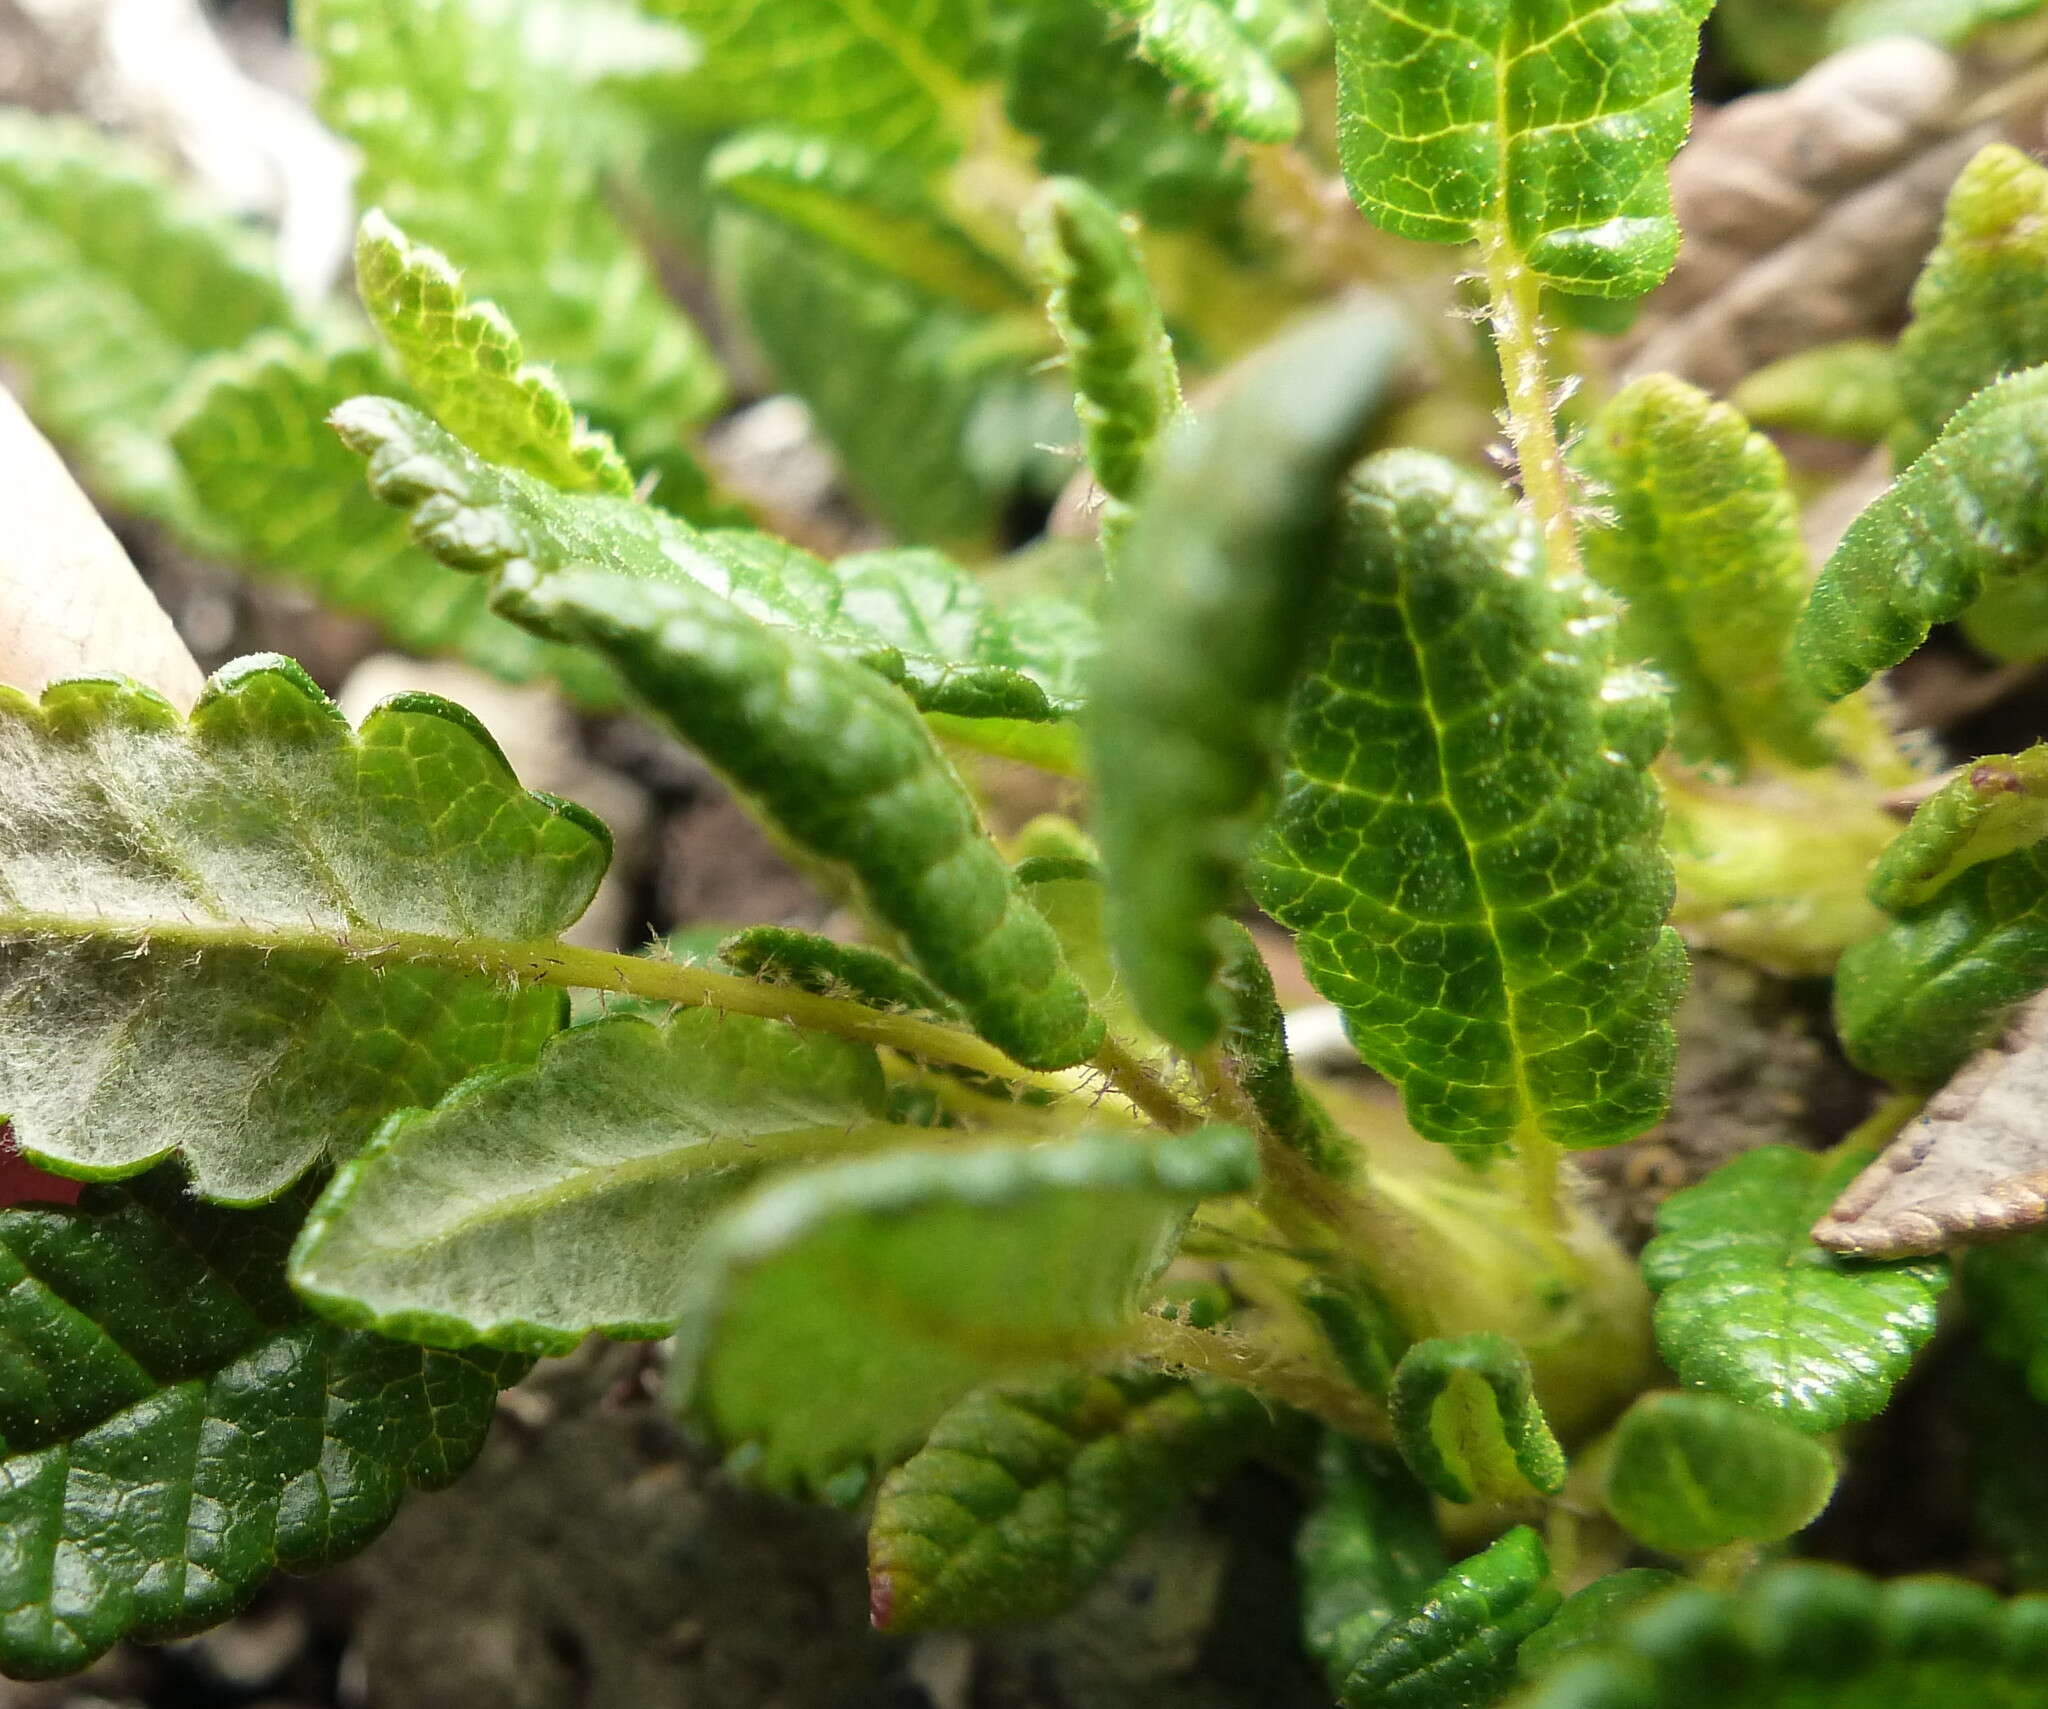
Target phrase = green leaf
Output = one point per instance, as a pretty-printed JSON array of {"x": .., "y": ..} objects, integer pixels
[
  {"x": 895, "y": 76},
  {"x": 1806, "y": 1636},
  {"x": 1916, "y": 1001},
  {"x": 1692, "y": 1472},
  {"x": 913, "y": 616},
  {"x": 1255, "y": 1040},
  {"x": 285, "y": 499},
  {"x": 872, "y": 208},
  {"x": 1467, "y": 845},
  {"x": 1848, "y": 390},
  {"x": 1206, "y": 48},
  {"x": 1549, "y": 127},
  {"x": 1749, "y": 1307},
  {"x": 1126, "y": 386},
  {"x": 2007, "y": 1288},
  {"x": 856, "y": 1302},
  {"x": 474, "y": 141},
  {"x": 1962, "y": 519},
  {"x": 1977, "y": 308},
  {"x": 249, "y": 936},
  {"x": 1468, "y": 1422},
  {"x": 1368, "y": 1551},
  {"x": 1023, "y": 1498},
  {"x": 1236, "y": 539},
  {"x": 1704, "y": 547},
  {"x": 2008, "y": 1477},
  {"x": 1949, "y": 22},
  {"x": 536, "y": 1205},
  {"x": 1990, "y": 808},
  {"x": 1456, "y": 1649},
  {"x": 174, "y": 1427},
  {"x": 113, "y": 283},
  {"x": 781, "y": 956},
  {"x": 467, "y": 364},
  {"x": 1589, "y": 1616},
  {"x": 1102, "y": 114}
]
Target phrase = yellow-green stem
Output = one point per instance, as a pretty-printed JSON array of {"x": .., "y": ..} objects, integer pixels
[
  {"x": 1515, "y": 298},
  {"x": 1239, "y": 1359}
]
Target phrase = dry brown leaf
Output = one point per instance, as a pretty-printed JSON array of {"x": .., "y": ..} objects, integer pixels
[
  {"x": 1807, "y": 212},
  {"x": 1973, "y": 1165},
  {"x": 70, "y": 601}
]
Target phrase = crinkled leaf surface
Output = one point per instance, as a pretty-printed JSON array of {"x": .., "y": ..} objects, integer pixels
[
  {"x": 174, "y": 1426},
  {"x": 1692, "y": 1472},
  {"x": 285, "y": 499},
  {"x": 1466, "y": 845},
  {"x": 244, "y": 937},
  {"x": 1551, "y": 125},
  {"x": 1236, "y": 539},
  {"x": 1962, "y": 518},
  {"x": 475, "y": 141},
  {"x": 113, "y": 283},
  {"x": 1369, "y": 1550},
  {"x": 1704, "y": 548},
  {"x": 1977, "y": 308},
  {"x": 1749, "y": 1307},
  {"x": 1991, "y": 807},
  {"x": 783, "y": 956},
  {"x": 1207, "y": 48},
  {"x": 538, "y": 1204},
  {"x": 468, "y": 366},
  {"x": 1806, "y": 1636},
  {"x": 854, "y": 1303},
  {"x": 1023, "y": 1497},
  {"x": 1468, "y": 1422}
]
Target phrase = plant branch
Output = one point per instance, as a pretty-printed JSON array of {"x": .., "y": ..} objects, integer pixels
[
  {"x": 1143, "y": 1087},
  {"x": 1515, "y": 311},
  {"x": 1238, "y": 1359}
]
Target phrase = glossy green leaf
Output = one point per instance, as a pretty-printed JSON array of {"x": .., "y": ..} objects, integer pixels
[
  {"x": 782, "y": 956},
  {"x": 1962, "y": 518},
  {"x": 873, "y": 209},
  {"x": 1550, "y": 126},
  {"x": 913, "y": 616},
  {"x": 174, "y": 1427},
  {"x": 535, "y": 1205},
  {"x": 469, "y": 368},
  {"x": 1703, "y": 546},
  {"x": 285, "y": 499},
  {"x": 1692, "y": 1472},
  {"x": 1992, "y": 807},
  {"x": 1467, "y": 845},
  {"x": 1126, "y": 386},
  {"x": 248, "y": 936},
  {"x": 475, "y": 141},
  {"x": 895, "y": 76},
  {"x": 1588, "y": 1617},
  {"x": 1022, "y": 1498},
  {"x": 1204, "y": 46},
  {"x": 1468, "y": 1422},
  {"x": 1235, "y": 541},
  {"x": 1977, "y": 308},
  {"x": 1456, "y": 1648},
  {"x": 1848, "y": 390},
  {"x": 113, "y": 283},
  {"x": 1749, "y": 1307},
  {"x": 856, "y": 1302},
  {"x": 1368, "y": 1551},
  {"x": 1917, "y": 1000},
  {"x": 1806, "y": 1636},
  {"x": 1100, "y": 113}
]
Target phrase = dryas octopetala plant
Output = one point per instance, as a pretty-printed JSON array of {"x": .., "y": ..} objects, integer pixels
[{"x": 1012, "y": 1224}]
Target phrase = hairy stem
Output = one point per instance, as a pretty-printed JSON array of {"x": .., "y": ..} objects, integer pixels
[
  {"x": 1239, "y": 1359},
  {"x": 1514, "y": 309},
  {"x": 1143, "y": 1087}
]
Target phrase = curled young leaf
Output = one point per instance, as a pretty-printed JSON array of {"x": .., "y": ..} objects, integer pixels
[
  {"x": 249, "y": 935},
  {"x": 1255, "y": 1040},
  {"x": 1494, "y": 934},
  {"x": 1692, "y": 1472},
  {"x": 1023, "y": 1497},
  {"x": 1750, "y": 1307},
  {"x": 1216, "y": 51},
  {"x": 1551, "y": 127},
  {"x": 1235, "y": 541},
  {"x": 1993, "y": 806},
  {"x": 847, "y": 1307},
  {"x": 1468, "y": 1422},
  {"x": 782, "y": 956},
  {"x": 1704, "y": 547},
  {"x": 175, "y": 1427}
]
